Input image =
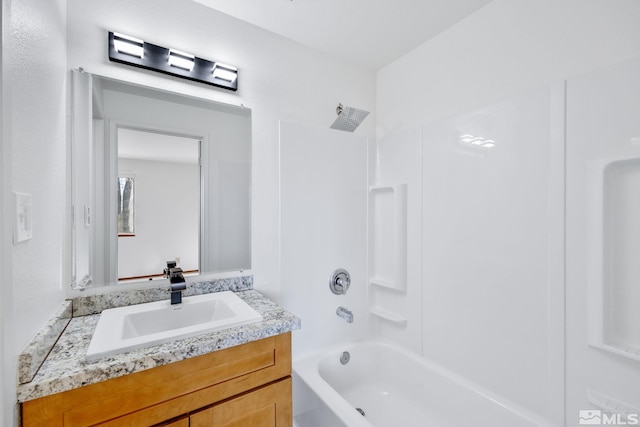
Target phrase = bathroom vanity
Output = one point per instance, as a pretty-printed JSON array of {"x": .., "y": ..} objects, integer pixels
[
  {"x": 248, "y": 384},
  {"x": 239, "y": 376}
]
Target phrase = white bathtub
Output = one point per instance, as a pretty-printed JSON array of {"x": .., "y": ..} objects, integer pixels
[{"x": 394, "y": 387}]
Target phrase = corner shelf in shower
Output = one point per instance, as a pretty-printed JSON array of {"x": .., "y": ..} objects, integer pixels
[
  {"x": 610, "y": 404},
  {"x": 613, "y": 276},
  {"x": 383, "y": 283},
  {"x": 388, "y": 236},
  {"x": 388, "y": 315}
]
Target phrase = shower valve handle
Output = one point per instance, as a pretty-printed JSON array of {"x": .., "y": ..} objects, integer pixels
[{"x": 340, "y": 281}]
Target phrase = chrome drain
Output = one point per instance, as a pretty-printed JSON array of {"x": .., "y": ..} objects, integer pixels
[
  {"x": 345, "y": 357},
  {"x": 361, "y": 411}
]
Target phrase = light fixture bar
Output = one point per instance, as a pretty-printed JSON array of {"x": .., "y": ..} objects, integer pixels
[
  {"x": 128, "y": 45},
  {"x": 138, "y": 53},
  {"x": 225, "y": 72},
  {"x": 180, "y": 59}
]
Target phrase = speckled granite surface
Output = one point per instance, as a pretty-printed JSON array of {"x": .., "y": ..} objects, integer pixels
[
  {"x": 39, "y": 347},
  {"x": 66, "y": 367},
  {"x": 94, "y": 304},
  {"x": 36, "y": 351}
]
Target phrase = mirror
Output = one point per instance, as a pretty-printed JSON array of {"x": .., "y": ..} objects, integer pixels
[{"x": 156, "y": 177}]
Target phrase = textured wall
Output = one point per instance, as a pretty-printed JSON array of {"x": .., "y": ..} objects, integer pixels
[{"x": 34, "y": 143}]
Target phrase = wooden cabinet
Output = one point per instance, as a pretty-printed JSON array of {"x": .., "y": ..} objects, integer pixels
[
  {"x": 266, "y": 407},
  {"x": 247, "y": 385}
]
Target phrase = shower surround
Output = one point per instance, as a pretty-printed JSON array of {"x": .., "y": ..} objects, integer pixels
[{"x": 499, "y": 247}]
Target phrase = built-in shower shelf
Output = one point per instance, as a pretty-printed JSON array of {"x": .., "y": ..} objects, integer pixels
[
  {"x": 388, "y": 315},
  {"x": 610, "y": 404},
  {"x": 388, "y": 236},
  {"x": 625, "y": 351},
  {"x": 381, "y": 188},
  {"x": 386, "y": 284},
  {"x": 613, "y": 274}
]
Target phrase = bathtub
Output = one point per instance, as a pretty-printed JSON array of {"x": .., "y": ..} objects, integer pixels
[{"x": 385, "y": 386}]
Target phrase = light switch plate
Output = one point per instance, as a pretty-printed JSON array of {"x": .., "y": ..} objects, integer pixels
[
  {"x": 22, "y": 229},
  {"x": 87, "y": 216}
]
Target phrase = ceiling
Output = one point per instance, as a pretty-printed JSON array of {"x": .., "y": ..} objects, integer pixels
[
  {"x": 143, "y": 145},
  {"x": 367, "y": 33}
]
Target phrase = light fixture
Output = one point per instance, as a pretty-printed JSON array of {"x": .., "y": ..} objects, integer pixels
[
  {"x": 225, "y": 72},
  {"x": 183, "y": 60},
  {"x": 138, "y": 53},
  {"x": 128, "y": 45}
]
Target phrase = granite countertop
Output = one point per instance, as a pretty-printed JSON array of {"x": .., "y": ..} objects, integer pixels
[{"x": 66, "y": 367}]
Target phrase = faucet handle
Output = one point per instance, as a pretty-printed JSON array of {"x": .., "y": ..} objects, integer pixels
[
  {"x": 170, "y": 265},
  {"x": 177, "y": 279},
  {"x": 177, "y": 285},
  {"x": 340, "y": 281}
]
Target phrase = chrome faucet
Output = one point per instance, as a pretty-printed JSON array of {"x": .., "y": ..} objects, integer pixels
[
  {"x": 177, "y": 285},
  {"x": 345, "y": 314}
]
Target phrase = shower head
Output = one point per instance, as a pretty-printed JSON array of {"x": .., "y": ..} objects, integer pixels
[{"x": 349, "y": 118}]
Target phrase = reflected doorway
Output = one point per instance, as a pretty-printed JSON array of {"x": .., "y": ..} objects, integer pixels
[{"x": 159, "y": 196}]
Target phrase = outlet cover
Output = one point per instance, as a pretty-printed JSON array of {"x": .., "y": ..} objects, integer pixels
[{"x": 22, "y": 228}]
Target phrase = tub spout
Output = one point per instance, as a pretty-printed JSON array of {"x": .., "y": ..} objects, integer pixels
[{"x": 345, "y": 314}]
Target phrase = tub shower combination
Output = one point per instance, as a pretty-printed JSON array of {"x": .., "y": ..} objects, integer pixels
[
  {"x": 377, "y": 384},
  {"x": 341, "y": 377},
  {"x": 494, "y": 257}
]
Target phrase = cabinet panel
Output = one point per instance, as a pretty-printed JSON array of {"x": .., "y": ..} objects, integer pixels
[
  {"x": 186, "y": 376},
  {"x": 159, "y": 394},
  {"x": 269, "y": 406}
]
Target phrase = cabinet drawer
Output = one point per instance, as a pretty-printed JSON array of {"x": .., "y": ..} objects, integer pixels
[
  {"x": 158, "y": 394},
  {"x": 269, "y": 406}
]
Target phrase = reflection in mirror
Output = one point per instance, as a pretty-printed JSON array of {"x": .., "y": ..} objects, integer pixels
[
  {"x": 156, "y": 177},
  {"x": 125, "y": 206},
  {"x": 166, "y": 172}
]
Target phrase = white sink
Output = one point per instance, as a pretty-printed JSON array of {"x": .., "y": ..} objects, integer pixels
[{"x": 127, "y": 328}]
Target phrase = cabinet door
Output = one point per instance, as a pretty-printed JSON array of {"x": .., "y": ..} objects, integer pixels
[{"x": 269, "y": 406}]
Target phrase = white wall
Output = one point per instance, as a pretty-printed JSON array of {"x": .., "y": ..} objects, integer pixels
[
  {"x": 5, "y": 249},
  {"x": 323, "y": 199},
  {"x": 279, "y": 79},
  {"x": 484, "y": 294},
  {"x": 602, "y": 238},
  {"x": 34, "y": 158},
  {"x": 492, "y": 248},
  {"x": 506, "y": 48}
]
